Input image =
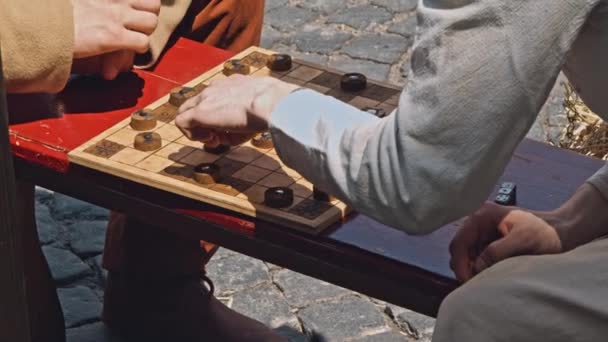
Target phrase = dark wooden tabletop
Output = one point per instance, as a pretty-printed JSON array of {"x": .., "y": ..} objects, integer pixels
[{"x": 360, "y": 254}]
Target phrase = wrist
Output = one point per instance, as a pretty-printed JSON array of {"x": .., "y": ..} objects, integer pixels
[{"x": 268, "y": 95}]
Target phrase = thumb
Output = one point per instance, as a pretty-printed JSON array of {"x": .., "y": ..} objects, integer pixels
[{"x": 510, "y": 245}]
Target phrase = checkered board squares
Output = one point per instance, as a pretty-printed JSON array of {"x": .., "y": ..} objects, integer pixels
[{"x": 246, "y": 171}]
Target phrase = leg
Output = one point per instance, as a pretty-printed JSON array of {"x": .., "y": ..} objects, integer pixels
[
  {"x": 155, "y": 290},
  {"x": 46, "y": 318},
  {"x": 555, "y": 298}
]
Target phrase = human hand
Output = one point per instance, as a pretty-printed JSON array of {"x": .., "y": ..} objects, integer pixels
[
  {"x": 108, "y": 65},
  {"x": 231, "y": 110},
  {"x": 495, "y": 233},
  {"x": 102, "y": 26}
]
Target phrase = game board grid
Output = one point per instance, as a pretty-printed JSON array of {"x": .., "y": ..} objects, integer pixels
[{"x": 171, "y": 160}]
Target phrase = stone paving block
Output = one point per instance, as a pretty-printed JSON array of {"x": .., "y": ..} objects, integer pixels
[
  {"x": 414, "y": 324},
  {"x": 87, "y": 238},
  {"x": 320, "y": 40},
  {"x": 324, "y": 6},
  {"x": 96, "y": 332},
  {"x": 360, "y": 17},
  {"x": 266, "y": 304},
  {"x": 236, "y": 273},
  {"x": 348, "y": 318},
  {"x": 301, "y": 290},
  {"x": 48, "y": 228},
  {"x": 405, "y": 27},
  {"x": 272, "y": 4},
  {"x": 397, "y": 5},
  {"x": 65, "y": 265},
  {"x": 389, "y": 336},
  {"x": 80, "y": 305},
  {"x": 98, "y": 263},
  {"x": 270, "y": 36},
  {"x": 370, "y": 69},
  {"x": 384, "y": 48},
  {"x": 68, "y": 208},
  {"x": 286, "y": 19}
]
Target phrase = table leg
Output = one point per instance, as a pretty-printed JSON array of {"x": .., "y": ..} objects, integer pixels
[{"x": 46, "y": 317}]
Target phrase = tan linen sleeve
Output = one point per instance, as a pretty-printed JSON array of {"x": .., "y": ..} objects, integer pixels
[
  {"x": 171, "y": 14},
  {"x": 37, "y": 39}
]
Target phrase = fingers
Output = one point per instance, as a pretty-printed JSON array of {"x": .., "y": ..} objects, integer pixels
[
  {"x": 140, "y": 21},
  {"x": 132, "y": 40},
  {"x": 510, "y": 245},
  {"x": 152, "y": 6},
  {"x": 460, "y": 250},
  {"x": 115, "y": 63}
]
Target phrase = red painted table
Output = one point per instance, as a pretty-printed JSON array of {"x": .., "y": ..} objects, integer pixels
[{"x": 360, "y": 254}]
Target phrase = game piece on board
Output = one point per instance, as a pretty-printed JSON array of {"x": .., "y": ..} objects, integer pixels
[
  {"x": 219, "y": 149},
  {"x": 320, "y": 195},
  {"x": 142, "y": 120},
  {"x": 353, "y": 82},
  {"x": 263, "y": 140},
  {"x": 507, "y": 194},
  {"x": 206, "y": 173},
  {"x": 278, "y": 197},
  {"x": 148, "y": 141},
  {"x": 180, "y": 95},
  {"x": 235, "y": 66},
  {"x": 280, "y": 62}
]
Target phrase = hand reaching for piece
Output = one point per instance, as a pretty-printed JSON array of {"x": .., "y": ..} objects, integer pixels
[
  {"x": 102, "y": 26},
  {"x": 495, "y": 233},
  {"x": 231, "y": 110}
]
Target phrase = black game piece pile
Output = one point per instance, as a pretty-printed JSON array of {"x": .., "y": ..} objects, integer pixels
[{"x": 507, "y": 194}]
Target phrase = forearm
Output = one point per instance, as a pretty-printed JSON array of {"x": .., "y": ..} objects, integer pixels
[
  {"x": 37, "y": 39},
  {"x": 472, "y": 96},
  {"x": 580, "y": 220}
]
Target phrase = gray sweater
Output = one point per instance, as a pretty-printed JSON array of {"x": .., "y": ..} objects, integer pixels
[{"x": 480, "y": 72}]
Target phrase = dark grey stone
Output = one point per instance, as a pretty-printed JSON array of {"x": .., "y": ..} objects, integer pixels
[
  {"x": 99, "y": 264},
  {"x": 65, "y": 265},
  {"x": 80, "y": 305},
  {"x": 266, "y": 304},
  {"x": 389, "y": 336},
  {"x": 345, "y": 319},
  {"x": 288, "y": 19},
  {"x": 324, "y": 6},
  {"x": 87, "y": 238},
  {"x": 95, "y": 332},
  {"x": 384, "y": 48},
  {"x": 236, "y": 273},
  {"x": 405, "y": 27},
  {"x": 360, "y": 17},
  {"x": 301, "y": 290},
  {"x": 415, "y": 324},
  {"x": 272, "y": 4},
  {"x": 291, "y": 334},
  {"x": 397, "y": 5},
  {"x": 68, "y": 208},
  {"x": 48, "y": 228},
  {"x": 372, "y": 70},
  {"x": 320, "y": 40}
]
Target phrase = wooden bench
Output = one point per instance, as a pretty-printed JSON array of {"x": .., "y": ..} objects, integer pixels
[{"x": 359, "y": 254}]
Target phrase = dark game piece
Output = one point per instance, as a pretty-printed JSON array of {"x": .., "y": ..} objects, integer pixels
[
  {"x": 206, "y": 173},
  {"x": 219, "y": 149},
  {"x": 142, "y": 120},
  {"x": 235, "y": 66},
  {"x": 507, "y": 194},
  {"x": 263, "y": 140},
  {"x": 353, "y": 82},
  {"x": 180, "y": 95},
  {"x": 278, "y": 197},
  {"x": 320, "y": 195},
  {"x": 148, "y": 141},
  {"x": 280, "y": 62}
]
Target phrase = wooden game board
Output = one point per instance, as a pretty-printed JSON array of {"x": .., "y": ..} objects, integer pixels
[{"x": 246, "y": 171}]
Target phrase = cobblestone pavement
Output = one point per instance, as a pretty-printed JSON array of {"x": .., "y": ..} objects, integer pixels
[{"x": 370, "y": 36}]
